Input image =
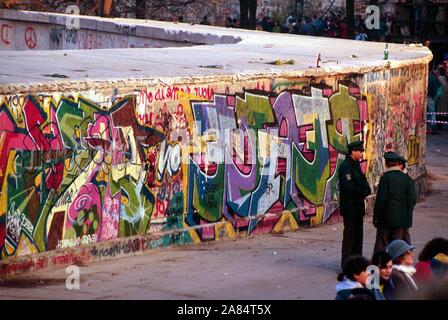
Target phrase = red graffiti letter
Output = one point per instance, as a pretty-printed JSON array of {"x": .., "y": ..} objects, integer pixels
[
  {"x": 4, "y": 33},
  {"x": 30, "y": 38}
]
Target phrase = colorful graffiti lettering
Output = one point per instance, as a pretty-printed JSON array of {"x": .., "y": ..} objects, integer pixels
[
  {"x": 264, "y": 153},
  {"x": 190, "y": 164},
  {"x": 72, "y": 173}
]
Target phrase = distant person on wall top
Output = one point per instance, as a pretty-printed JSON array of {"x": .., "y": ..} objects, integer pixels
[
  {"x": 229, "y": 23},
  {"x": 205, "y": 20},
  {"x": 290, "y": 22},
  {"x": 360, "y": 35}
]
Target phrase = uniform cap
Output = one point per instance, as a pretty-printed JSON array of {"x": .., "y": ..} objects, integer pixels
[
  {"x": 392, "y": 156},
  {"x": 357, "y": 145}
]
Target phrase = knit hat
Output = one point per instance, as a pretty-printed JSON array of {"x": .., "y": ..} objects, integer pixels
[
  {"x": 398, "y": 247},
  {"x": 439, "y": 264}
]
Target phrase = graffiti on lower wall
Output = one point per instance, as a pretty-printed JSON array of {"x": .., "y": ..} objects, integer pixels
[{"x": 76, "y": 171}]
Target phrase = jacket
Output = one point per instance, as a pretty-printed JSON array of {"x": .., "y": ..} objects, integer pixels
[
  {"x": 424, "y": 273},
  {"x": 351, "y": 290},
  {"x": 395, "y": 200},
  {"x": 388, "y": 288},
  {"x": 403, "y": 281},
  {"x": 353, "y": 188}
]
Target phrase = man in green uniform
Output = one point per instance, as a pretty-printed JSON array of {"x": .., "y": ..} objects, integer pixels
[
  {"x": 353, "y": 188},
  {"x": 395, "y": 201}
]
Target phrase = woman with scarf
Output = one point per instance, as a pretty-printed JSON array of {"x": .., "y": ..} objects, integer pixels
[{"x": 403, "y": 270}]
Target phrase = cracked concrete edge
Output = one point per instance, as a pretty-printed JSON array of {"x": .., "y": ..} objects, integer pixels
[
  {"x": 158, "y": 30},
  {"x": 142, "y": 83}
]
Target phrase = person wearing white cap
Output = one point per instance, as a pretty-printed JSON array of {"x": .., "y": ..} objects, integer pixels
[{"x": 403, "y": 269}]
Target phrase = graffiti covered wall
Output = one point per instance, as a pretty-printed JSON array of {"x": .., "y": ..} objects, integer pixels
[{"x": 195, "y": 162}]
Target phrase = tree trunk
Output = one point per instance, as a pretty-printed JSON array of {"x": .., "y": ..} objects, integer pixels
[
  {"x": 299, "y": 8},
  {"x": 350, "y": 7},
  {"x": 248, "y": 14},
  {"x": 252, "y": 14},
  {"x": 244, "y": 14},
  {"x": 140, "y": 9},
  {"x": 106, "y": 7}
]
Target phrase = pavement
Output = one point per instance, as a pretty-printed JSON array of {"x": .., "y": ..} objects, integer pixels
[{"x": 289, "y": 266}]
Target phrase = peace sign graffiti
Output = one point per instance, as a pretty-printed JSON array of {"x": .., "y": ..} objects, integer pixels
[{"x": 30, "y": 38}]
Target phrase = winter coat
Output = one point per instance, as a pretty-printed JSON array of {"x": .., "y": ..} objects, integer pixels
[
  {"x": 424, "y": 273},
  {"x": 351, "y": 290},
  {"x": 404, "y": 281},
  {"x": 388, "y": 288},
  {"x": 395, "y": 200},
  {"x": 353, "y": 188}
]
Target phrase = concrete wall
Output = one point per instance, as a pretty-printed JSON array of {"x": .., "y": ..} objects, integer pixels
[
  {"x": 21, "y": 30},
  {"x": 183, "y": 154},
  {"x": 26, "y": 36},
  {"x": 37, "y": 36},
  {"x": 207, "y": 161}
]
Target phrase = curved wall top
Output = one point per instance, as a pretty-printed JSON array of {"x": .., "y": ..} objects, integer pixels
[
  {"x": 112, "y": 152},
  {"x": 228, "y": 52}
]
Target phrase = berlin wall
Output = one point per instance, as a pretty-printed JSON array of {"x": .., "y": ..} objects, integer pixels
[
  {"x": 115, "y": 167},
  {"x": 22, "y": 30}
]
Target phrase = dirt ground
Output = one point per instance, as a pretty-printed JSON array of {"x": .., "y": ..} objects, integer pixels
[{"x": 293, "y": 265}]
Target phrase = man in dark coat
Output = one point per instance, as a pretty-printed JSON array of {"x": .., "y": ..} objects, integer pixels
[
  {"x": 395, "y": 201},
  {"x": 353, "y": 188}
]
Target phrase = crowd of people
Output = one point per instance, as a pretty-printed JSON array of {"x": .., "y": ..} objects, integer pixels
[
  {"x": 397, "y": 275},
  {"x": 328, "y": 25},
  {"x": 335, "y": 24}
]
